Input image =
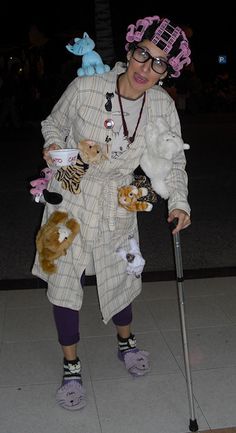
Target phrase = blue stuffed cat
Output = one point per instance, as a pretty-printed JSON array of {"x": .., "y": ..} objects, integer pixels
[{"x": 91, "y": 60}]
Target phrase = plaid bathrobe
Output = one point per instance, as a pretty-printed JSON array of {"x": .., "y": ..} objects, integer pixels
[{"x": 104, "y": 226}]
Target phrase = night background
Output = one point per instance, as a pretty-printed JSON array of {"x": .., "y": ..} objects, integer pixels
[
  {"x": 33, "y": 39},
  {"x": 35, "y": 68},
  {"x": 213, "y": 32}
]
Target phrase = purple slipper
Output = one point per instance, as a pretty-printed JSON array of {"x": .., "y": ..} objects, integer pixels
[
  {"x": 71, "y": 395},
  {"x": 136, "y": 361}
]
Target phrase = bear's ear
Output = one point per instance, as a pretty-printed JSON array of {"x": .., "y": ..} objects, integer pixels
[
  {"x": 58, "y": 217},
  {"x": 134, "y": 189}
]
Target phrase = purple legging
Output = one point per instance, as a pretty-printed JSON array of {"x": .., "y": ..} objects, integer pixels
[{"x": 67, "y": 323}]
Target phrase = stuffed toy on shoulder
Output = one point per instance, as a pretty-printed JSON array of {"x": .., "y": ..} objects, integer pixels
[
  {"x": 133, "y": 257},
  {"x": 163, "y": 146},
  {"x": 54, "y": 238},
  {"x": 91, "y": 61}
]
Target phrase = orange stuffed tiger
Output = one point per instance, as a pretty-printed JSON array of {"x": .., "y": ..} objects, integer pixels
[{"x": 129, "y": 197}]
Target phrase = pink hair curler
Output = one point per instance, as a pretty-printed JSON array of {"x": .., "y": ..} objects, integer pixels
[{"x": 165, "y": 38}]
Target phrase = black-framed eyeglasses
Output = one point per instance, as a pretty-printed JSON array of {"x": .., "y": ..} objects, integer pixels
[{"x": 141, "y": 55}]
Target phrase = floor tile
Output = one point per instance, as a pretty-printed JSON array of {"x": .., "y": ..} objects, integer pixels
[
  {"x": 159, "y": 290},
  {"x": 90, "y": 295},
  {"x": 209, "y": 286},
  {"x": 103, "y": 362},
  {"x": 208, "y": 347},
  {"x": 148, "y": 404},
  {"x": 191, "y": 288},
  {"x": 225, "y": 430},
  {"x": 199, "y": 312},
  {"x": 228, "y": 305},
  {"x": 3, "y": 299},
  {"x": 33, "y": 362},
  {"x": 91, "y": 323},
  {"x": 2, "y": 320},
  {"x": 215, "y": 391},
  {"x": 27, "y": 298},
  {"x": 29, "y": 324},
  {"x": 32, "y": 409}
]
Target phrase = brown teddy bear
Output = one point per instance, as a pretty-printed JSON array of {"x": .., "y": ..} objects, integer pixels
[
  {"x": 91, "y": 152},
  {"x": 54, "y": 238}
]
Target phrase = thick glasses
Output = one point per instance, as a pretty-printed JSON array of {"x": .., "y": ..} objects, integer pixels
[{"x": 141, "y": 55}]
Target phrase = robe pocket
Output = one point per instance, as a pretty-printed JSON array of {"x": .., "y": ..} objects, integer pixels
[{"x": 125, "y": 220}]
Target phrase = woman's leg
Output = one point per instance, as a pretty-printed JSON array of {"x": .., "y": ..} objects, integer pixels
[
  {"x": 67, "y": 324},
  {"x": 123, "y": 320},
  {"x": 136, "y": 361},
  {"x": 71, "y": 394}
]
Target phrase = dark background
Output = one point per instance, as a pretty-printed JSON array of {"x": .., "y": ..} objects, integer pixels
[
  {"x": 213, "y": 31},
  {"x": 208, "y": 125}
]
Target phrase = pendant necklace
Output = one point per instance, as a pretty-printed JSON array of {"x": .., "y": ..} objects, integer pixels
[{"x": 124, "y": 124}]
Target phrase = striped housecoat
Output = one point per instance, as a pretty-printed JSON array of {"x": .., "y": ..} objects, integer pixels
[{"x": 104, "y": 226}]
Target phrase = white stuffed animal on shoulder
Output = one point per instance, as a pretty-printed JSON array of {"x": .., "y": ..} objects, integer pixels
[{"x": 163, "y": 145}]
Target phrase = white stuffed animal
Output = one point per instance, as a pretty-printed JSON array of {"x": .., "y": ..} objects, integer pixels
[
  {"x": 133, "y": 257},
  {"x": 163, "y": 145}
]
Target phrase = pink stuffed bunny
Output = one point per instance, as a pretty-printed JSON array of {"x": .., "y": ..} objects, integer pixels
[{"x": 39, "y": 188}]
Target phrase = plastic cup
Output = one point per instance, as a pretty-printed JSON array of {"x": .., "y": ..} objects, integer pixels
[{"x": 63, "y": 157}]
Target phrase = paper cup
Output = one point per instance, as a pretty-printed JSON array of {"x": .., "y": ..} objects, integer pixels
[{"x": 62, "y": 157}]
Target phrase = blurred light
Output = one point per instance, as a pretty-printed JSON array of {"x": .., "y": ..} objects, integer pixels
[{"x": 222, "y": 59}]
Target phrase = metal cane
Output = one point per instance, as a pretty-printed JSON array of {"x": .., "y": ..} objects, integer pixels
[{"x": 193, "y": 426}]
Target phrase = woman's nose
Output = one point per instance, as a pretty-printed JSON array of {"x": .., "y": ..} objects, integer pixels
[{"x": 147, "y": 65}]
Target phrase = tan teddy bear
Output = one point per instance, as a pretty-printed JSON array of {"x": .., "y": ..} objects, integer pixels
[
  {"x": 54, "y": 238},
  {"x": 91, "y": 152}
]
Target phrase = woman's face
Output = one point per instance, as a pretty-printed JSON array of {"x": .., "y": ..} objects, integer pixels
[{"x": 141, "y": 76}]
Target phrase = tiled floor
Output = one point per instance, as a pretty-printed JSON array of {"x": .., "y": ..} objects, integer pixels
[{"x": 31, "y": 363}]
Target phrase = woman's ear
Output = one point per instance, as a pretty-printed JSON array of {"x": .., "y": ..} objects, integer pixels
[{"x": 129, "y": 55}]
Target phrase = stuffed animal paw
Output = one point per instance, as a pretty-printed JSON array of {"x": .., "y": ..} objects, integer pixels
[
  {"x": 135, "y": 261},
  {"x": 54, "y": 238}
]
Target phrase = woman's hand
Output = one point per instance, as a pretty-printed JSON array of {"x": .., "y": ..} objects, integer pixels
[
  {"x": 182, "y": 217},
  {"x": 46, "y": 150}
]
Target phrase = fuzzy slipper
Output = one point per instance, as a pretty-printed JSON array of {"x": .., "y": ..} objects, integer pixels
[
  {"x": 136, "y": 361},
  {"x": 71, "y": 395}
]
